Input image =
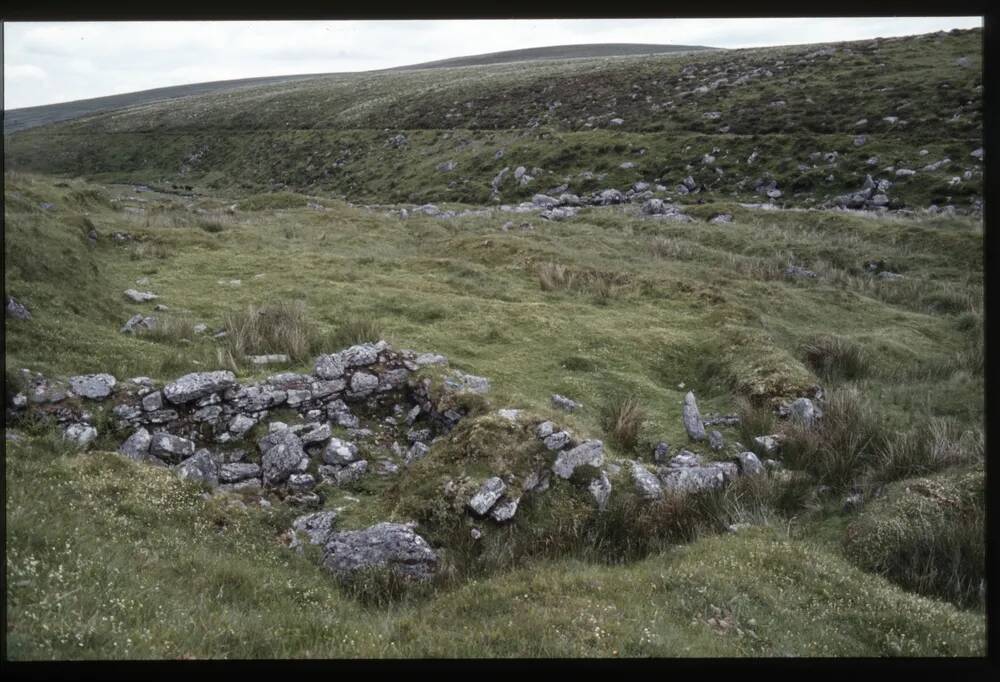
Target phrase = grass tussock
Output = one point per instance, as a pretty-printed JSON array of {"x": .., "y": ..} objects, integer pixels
[
  {"x": 553, "y": 276},
  {"x": 755, "y": 420},
  {"x": 171, "y": 329},
  {"x": 835, "y": 357},
  {"x": 622, "y": 418},
  {"x": 928, "y": 535},
  {"x": 279, "y": 327},
  {"x": 355, "y": 330},
  {"x": 840, "y": 447}
]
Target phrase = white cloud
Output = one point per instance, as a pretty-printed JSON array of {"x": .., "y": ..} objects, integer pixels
[{"x": 52, "y": 62}]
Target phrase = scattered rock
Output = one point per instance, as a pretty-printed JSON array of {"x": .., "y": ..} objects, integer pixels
[
  {"x": 564, "y": 403},
  {"x": 138, "y": 322},
  {"x": 136, "y": 446},
  {"x": 487, "y": 495},
  {"x": 590, "y": 453},
  {"x": 692, "y": 418},
  {"x": 316, "y": 528},
  {"x": 140, "y": 296},
  {"x": 393, "y": 546},
  {"x": 93, "y": 386},
  {"x": 646, "y": 484},
  {"x": 80, "y": 434},
  {"x": 17, "y": 310}
]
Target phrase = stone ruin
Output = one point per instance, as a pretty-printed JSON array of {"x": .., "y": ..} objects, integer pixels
[{"x": 199, "y": 425}]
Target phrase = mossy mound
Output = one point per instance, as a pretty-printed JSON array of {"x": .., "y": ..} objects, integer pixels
[{"x": 927, "y": 534}]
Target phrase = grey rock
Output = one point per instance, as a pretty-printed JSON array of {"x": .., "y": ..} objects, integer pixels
[
  {"x": 330, "y": 366},
  {"x": 692, "y": 418},
  {"x": 447, "y": 166},
  {"x": 93, "y": 386},
  {"x": 685, "y": 459},
  {"x": 557, "y": 440},
  {"x": 461, "y": 382},
  {"x": 138, "y": 323},
  {"x": 616, "y": 121},
  {"x": 312, "y": 434},
  {"x": 161, "y": 417},
  {"x": 646, "y": 484},
  {"x": 504, "y": 510},
  {"x": 905, "y": 172},
  {"x": 692, "y": 479},
  {"x": 201, "y": 467},
  {"x": 749, "y": 464},
  {"x": 721, "y": 219},
  {"x": 716, "y": 441},
  {"x": 192, "y": 386},
  {"x": 979, "y": 153},
  {"x": 853, "y": 502},
  {"x": 769, "y": 444},
  {"x": 363, "y": 384},
  {"x": 240, "y": 424},
  {"x": 425, "y": 359},
  {"x": 136, "y": 446},
  {"x": 661, "y": 452},
  {"x": 340, "y": 452},
  {"x": 273, "y": 359},
  {"x": 395, "y": 547},
  {"x": 171, "y": 448},
  {"x": 509, "y": 414},
  {"x": 17, "y": 310},
  {"x": 600, "y": 489},
  {"x": 295, "y": 397},
  {"x": 804, "y": 410},
  {"x": 544, "y": 201},
  {"x": 392, "y": 379},
  {"x": 152, "y": 402},
  {"x": 609, "y": 197},
  {"x": 590, "y": 453},
  {"x": 248, "y": 484},
  {"x": 343, "y": 475},
  {"x": 234, "y": 472},
  {"x": 140, "y": 296},
  {"x": 487, "y": 495},
  {"x": 301, "y": 483},
  {"x": 281, "y": 452},
  {"x": 416, "y": 452},
  {"x": 314, "y": 528},
  {"x": 564, "y": 403},
  {"x": 207, "y": 414},
  {"x": 80, "y": 434},
  {"x": 545, "y": 429}
]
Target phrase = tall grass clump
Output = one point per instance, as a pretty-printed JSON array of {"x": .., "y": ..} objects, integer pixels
[
  {"x": 755, "y": 420},
  {"x": 934, "y": 445},
  {"x": 355, "y": 330},
  {"x": 278, "y": 327},
  {"x": 834, "y": 357},
  {"x": 553, "y": 276},
  {"x": 841, "y": 446},
  {"x": 621, "y": 418},
  {"x": 170, "y": 329}
]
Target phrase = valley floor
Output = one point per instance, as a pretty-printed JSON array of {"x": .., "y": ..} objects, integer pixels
[{"x": 107, "y": 558}]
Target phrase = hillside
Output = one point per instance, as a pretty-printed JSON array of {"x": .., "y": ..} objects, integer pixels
[
  {"x": 264, "y": 401},
  {"x": 809, "y": 121},
  {"x": 31, "y": 117},
  {"x": 556, "y": 52}
]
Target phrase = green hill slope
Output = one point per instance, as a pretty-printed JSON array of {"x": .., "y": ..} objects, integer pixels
[{"x": 814, "y": 120}]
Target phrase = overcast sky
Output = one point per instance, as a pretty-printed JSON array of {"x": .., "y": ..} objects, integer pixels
[{"x": 52, "y": 62}]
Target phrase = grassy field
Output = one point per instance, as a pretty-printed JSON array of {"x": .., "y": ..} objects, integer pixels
[
  {"x": 287, "y": 197},
  {"x": 107, "y": 560}
]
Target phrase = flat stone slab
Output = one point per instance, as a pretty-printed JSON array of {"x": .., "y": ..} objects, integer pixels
[{"x": 93, "y": 386}]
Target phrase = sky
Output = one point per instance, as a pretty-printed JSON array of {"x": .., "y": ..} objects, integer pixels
[{"x": 49, "y": 62}]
